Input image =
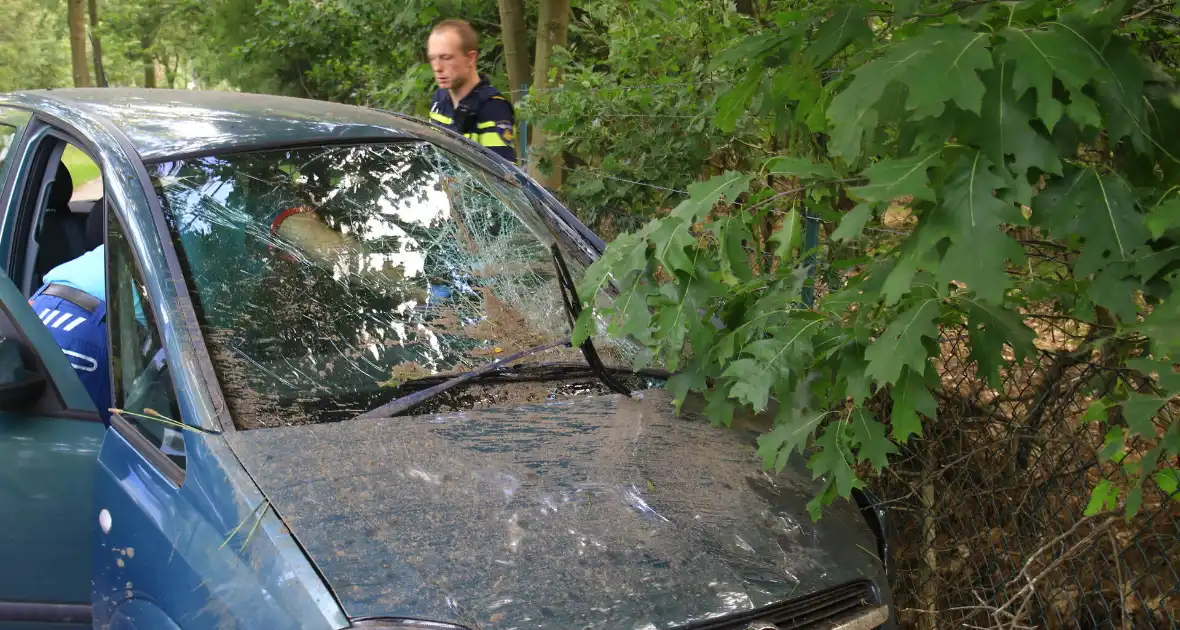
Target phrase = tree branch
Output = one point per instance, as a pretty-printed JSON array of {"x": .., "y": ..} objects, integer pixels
[{"x": 1154, "y": 7}]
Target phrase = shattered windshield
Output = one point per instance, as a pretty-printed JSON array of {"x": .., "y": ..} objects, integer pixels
[{"x": 325, "y": 277}]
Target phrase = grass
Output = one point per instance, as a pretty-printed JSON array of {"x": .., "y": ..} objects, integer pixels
[{"x": 82, "y": 169}]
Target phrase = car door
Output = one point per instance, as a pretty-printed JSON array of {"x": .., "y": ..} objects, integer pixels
[
  {"x": 50, "y": 435},
  {"x": 49, "y": 438}
]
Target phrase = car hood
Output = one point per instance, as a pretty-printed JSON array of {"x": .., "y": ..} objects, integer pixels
[{"x": 597, "y": 512}]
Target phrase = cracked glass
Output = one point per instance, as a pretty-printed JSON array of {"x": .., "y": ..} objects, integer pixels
[{"x": 324, "y": 277}]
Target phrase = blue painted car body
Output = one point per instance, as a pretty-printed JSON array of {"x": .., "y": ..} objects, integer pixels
[{"x": 166, "y": 547}]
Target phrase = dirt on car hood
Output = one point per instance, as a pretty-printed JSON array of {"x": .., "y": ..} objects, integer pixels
[{"x": 600, "y": 512}]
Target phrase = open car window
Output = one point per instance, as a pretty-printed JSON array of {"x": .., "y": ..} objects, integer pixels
[{"x": 325, "y": 276}]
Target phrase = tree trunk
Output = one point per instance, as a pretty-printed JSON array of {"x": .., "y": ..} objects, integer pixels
[
  {"x": 77, "y": 20},
  {"x": 515, "y": 50},
  {"x": 552, "y": 29},
  {"x": 100, "y": 75},
  {"x": 149, "y": 62}
]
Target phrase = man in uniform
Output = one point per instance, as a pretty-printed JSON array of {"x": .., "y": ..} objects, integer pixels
[
  {"x": 72, "y": 303},
  {"x": 465, "y": 102}
]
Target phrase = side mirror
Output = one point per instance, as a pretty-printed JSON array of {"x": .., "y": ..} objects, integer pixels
[{"x": 19, "y": 386}]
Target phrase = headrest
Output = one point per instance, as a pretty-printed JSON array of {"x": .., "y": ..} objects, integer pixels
[
  {"x": 94, "y": 225},
  {"x": 62, "y": 189}
]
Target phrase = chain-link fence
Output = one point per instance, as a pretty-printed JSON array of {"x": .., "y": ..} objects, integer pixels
[{"x": 987, "y": 509}]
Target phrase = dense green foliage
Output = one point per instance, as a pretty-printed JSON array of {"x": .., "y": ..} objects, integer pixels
[
  {"x": 183, "y": 42},
  {"x": 34, "y": 45},
  {"x": 361, "y": 51},
  {"x": 993, "y": 121},
  {"x": 633, "y": 115}
]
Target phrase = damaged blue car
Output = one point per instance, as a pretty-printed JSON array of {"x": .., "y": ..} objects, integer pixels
[{"x": 343, "y": 395}]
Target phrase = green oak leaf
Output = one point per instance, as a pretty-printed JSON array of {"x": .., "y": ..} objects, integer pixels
[
  {"x": 1114, "y": 292},
  {"x": 671, "y": 240},
  {"x": 990, "y": 328},
  {"x": 1049, "y": 48},
  {"x": 1007, "y": 131},
  {"x": 719, "y": 408},
  {"x": 702, "y": 196},
  {"x": 939, "y": 65},
  {"x": 869, "y": 439},
  {"x": 853, "y": 371},
  {"x": 1119, "y": 87},
  {"x": 892, "y": 178},
  {"x": 1148, "y": 262},
  {"x": 793, "y": 429},
  {"x": 944, "y": 67},
  {"x": 752, "y": 382},
  {"x": 825, "y": 496},
  {"x": 1098, "y": 208},
  {"x": 1036, "y": 60},
  {"x": 1136, "y": 469},
  {"x": 972, "y": 215},
  {"x": 1163, "y": 217},
  {"x": 585, "y": 326},
  {"x": 632, "y": 316},
  {"x": 847, "y": 24},
  {"x": 788, "y": 236},
  {"x": 901, "y": 343},
  {"x": 750, "y": 48},
  {"x": 1134, "y": 503},
  {"x": 1103, "y": 497},
  {"x": 833, "y": 460},
  {"x": 1054, "y": 51},
  {"x": 916, "y": 252},
  {"x": 1171, "y": 440},
  {"x": 1113, "y": 445},
  {"x": 802, "y": 168},
  {"x": 681, "y": 383},
  {"x": 732, "y": 235},
  {"x": 1096, "y": 412},
  {"x": 1169, "y": 481},
  {"x": 910, "y": 397},
  {"x": 971, "y": 204},
  {"x": 626, "y": 253},
  {"x": 903, "y": 9},
  {"x": 1139, "y": 411},
  {"x": 853, "y": 223},
  {"x": 1161, "y": 324},
  {"x": 1084, "y": 111},
  {"x": 1168, "y": 379},
  {"x": 733, "y": 103},
  {"x": 674, "y": 319},
  {"x": 981, "y": 265}
]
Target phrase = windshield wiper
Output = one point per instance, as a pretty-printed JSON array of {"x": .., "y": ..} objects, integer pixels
[
  {"x": 539, "y": 371},
  {"x": 573, "y": 308},
  {"x": 409, "y": 401}
]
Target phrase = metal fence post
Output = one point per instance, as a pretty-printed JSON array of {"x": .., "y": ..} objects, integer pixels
[
  {"x": 524, "y": 130},
  {"x": 810, "y": 243}
]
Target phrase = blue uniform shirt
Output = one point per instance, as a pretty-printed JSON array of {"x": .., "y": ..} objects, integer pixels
[
  {"x": 85, "y": 273},
  {"x": 484, "y": 116},
  {"x": 88, "y": 273}
]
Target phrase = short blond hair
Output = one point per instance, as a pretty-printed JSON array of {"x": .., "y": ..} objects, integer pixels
[{"x": 468, "y": 38}]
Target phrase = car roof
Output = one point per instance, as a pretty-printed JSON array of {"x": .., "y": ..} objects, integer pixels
[{"x": 163, "y": 123}]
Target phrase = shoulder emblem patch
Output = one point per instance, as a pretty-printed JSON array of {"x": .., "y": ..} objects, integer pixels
[{"x": 504, "y": 128}]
